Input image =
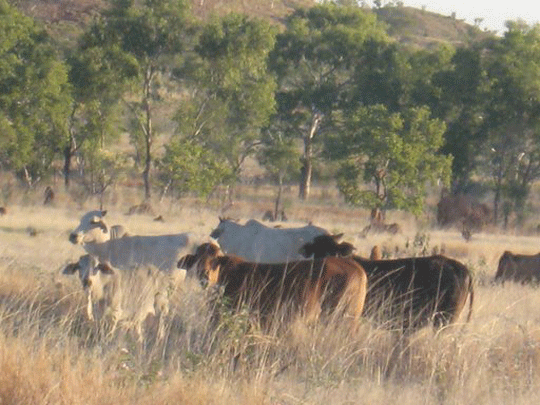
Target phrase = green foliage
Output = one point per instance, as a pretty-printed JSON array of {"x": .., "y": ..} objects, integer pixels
[
  {"x": 512, "y": 114},
  {"x": 139, "y": 43},
  {"x": 396, "y": 153},
  {"x": 279, "y": 155},
  {"x": 189, "y": 167},
  {"x": 233, "y": 93},
  {"x": 102, "y": 168},
  {"x": 34, "y": 95},
  {"x": 465, "y": 94},
  {"x": 314, "y": 60}
]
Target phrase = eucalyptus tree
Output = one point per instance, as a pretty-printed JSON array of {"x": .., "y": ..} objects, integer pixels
[
  {"x": 280, "y": 157},
  {"x": 150, "y": 36},
  {"x": 388, "y": 158},
  {"x": 465, "y": 93},
  {"x": 490, "y": 98},
  {"x": 229, "y": 92},
  {"x": 97, "y": 90},
  {"x": 314, "y": 59},
  {"x": 513, "y": 114},
  {"x": 34, "y": 96}
]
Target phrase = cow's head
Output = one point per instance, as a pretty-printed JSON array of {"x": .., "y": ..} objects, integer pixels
[
  {"x": 203, "y": 263},
  {"x": 224, "y": 225},
  {"x": 92, "y": 228},
  {"x": 89, "y": 268},
  {"x": 326, "y": 245}
]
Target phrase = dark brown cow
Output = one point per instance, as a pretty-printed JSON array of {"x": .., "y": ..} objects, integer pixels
[
  {"x": 463, "y": 210},
  {"x": 519, "y": 268},
  {"x": 304, "y": 287},
  {"x": 409, "y": 293}
]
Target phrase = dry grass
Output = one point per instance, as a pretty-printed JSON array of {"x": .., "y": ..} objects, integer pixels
[{"x": 50, "y": 354}]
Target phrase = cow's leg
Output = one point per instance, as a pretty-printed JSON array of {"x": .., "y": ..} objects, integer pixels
[
  {"x": 354, "y": 297},
  {"x": 312, "y": 304},
  {"x": 161, "y": 309},
  {"x": 89, "y": 305}
]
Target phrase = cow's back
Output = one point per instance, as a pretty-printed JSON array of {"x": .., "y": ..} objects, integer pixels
[
  {"x": 519, "y": 268},
  {"x": 161, "y": 251},
  {"x": 256, "y": 242},
  {"x": 420, "y": 290}
]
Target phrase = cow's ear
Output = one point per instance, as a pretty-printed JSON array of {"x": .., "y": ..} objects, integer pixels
[
  {"x": 346, "y": 249},
  {"x": 305, "y": 249},
  {"x": 186, "y": 262},
  {"x": 98, "y": 221},
  {"x": 103, "y": 213},
  {"x": 105, "y": 268},
  {"x": 71, "y": 268},
  {"x": 216, "y": 233}
]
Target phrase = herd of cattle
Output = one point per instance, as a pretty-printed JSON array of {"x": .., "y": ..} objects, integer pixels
[{"x": 279, "y": 273}]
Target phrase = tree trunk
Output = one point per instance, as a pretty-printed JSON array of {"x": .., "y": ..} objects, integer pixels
[
  {"x": 148, "y": 135},
  {"x": 307, "y": 159},
  {"x": 146, "y": 171},
  {"x": 305, "y": 177},
  {"x": 67, "y": 165},
  {"x": 497, "y": 199},
  {"x": 69, "y": 151},
  {"x": 27, "y": 177},
  {"x": 277, "y": 207}
]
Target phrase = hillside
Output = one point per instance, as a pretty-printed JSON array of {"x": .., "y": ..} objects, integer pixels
[{"x": 65, "y": 18}]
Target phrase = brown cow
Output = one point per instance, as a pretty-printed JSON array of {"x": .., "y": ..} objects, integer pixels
[
  {"x": 304, "y": 287},
  {"x": 464, "y": 210},
  {"x": 409, "y": 293},
  {"x": 519, "y": 268}
]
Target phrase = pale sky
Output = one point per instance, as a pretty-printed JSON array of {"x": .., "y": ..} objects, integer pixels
[{"x": 493, "y": 12}]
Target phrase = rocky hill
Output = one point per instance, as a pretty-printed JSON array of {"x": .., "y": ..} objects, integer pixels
[{"x": 66, "y": 18}]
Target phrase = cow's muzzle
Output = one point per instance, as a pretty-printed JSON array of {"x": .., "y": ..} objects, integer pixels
[{"x": 74, "y": 238}]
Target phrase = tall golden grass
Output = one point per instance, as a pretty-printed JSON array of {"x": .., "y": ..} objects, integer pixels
[{"x": 50, "y": 353}]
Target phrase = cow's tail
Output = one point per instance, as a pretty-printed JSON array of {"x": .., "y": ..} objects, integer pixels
[{"x": 471, "y": 299}]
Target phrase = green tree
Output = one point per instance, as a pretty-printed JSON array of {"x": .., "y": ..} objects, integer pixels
[
  {"x": 231, "y": 93},
  {"x": 465, "y": 90},
  {"x": 102, "y": 168},
  {"x": 314, "y": 59},
  {"x": 188, "y": 167},
  {"x": 97, "y": 93},
  {"x": 34, "y": 96},
  {"x": 279, "y": 155},
  {"x": 513, "y": 114},
  {"x": 395, "y": 154},
  {"x": 152, "y": 34}
]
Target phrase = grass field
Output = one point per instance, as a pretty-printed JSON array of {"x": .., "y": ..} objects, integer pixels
[{"x": 50, "y": 353}]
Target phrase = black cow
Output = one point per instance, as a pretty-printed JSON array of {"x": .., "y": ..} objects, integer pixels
[
  {"x": 407, "y": 293},
  {"x": 518, "y": 268}
]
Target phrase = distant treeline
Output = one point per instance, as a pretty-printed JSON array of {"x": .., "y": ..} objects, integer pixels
[{"x": 330, "y": 92}]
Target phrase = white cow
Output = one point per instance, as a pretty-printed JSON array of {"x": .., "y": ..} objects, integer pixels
[
  {"x": 127, "y": 297},
  {"x": 100, "y": 284},
  {"x": 130, "y": 251},
  {"x": 256, "y": 242},
  {"x": 93, "y": 229}
]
